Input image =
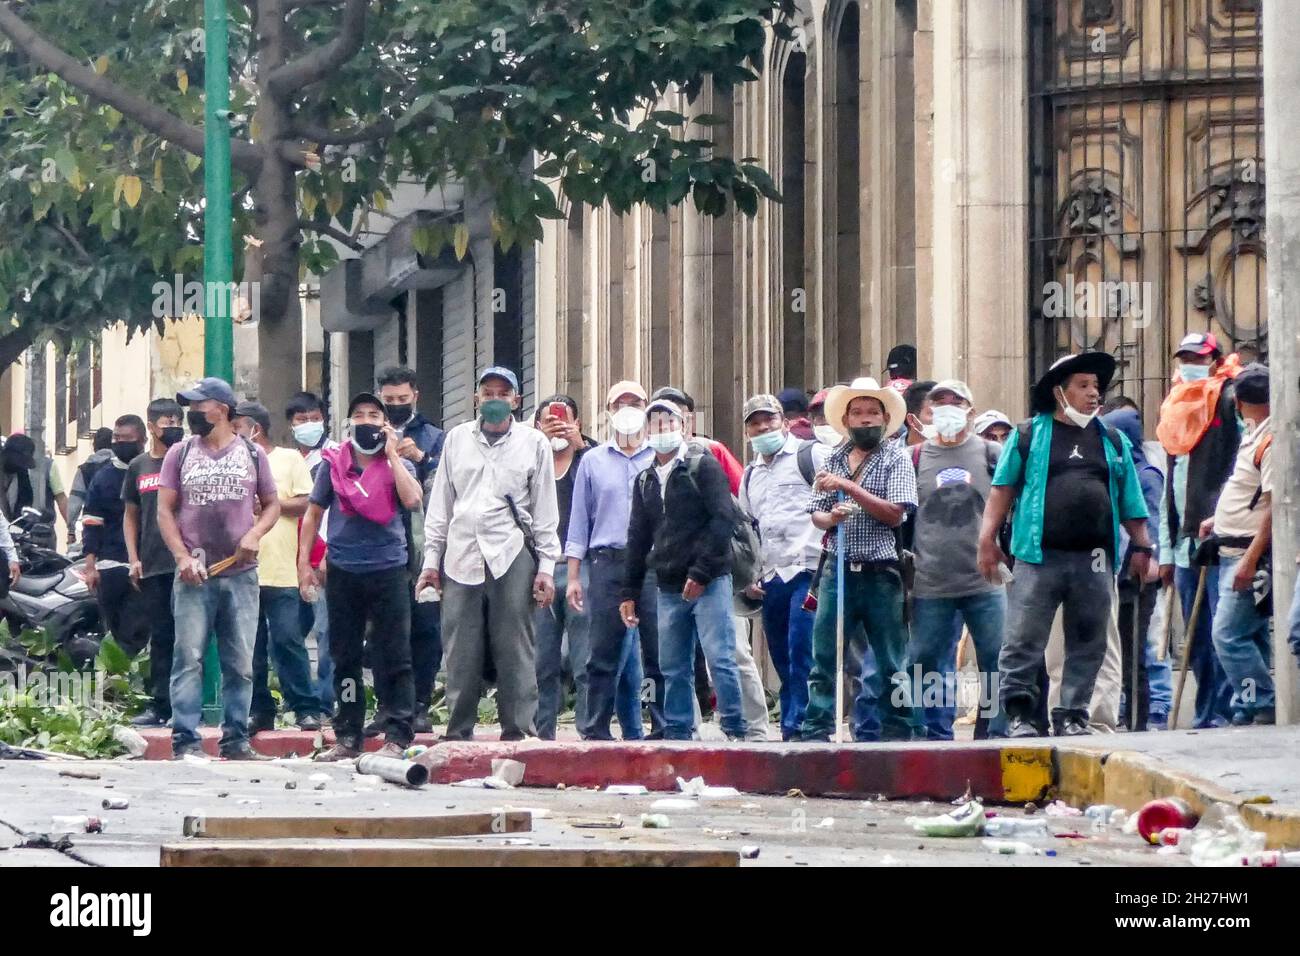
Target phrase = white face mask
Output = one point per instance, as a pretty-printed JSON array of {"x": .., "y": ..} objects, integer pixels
[
  {"x": 949, "y": 420},
  {"x": 1082, "y": 419},
  {"x": 665, "y": 442},
  {"x": 827, "y": 435},
  {"x": 627, "y": 420},
  {"x": 559, "y": 444}
]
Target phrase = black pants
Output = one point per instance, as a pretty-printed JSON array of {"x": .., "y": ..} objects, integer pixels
[
  {"x": 381, "y": 599},
  {"x": 123, "y": 610},
  {"x": 1144, "y": 602},
  {"x": 606, "y": 568},
  {"x": 157, "y": 591}
]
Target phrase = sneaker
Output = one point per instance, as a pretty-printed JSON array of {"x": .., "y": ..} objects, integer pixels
[
  {"x": 1073, "y": 727},
  {"x": 391, "y": 749},
  {"x": 376, "y": 727},
  {"x": 1242, "y": 718},
  {"x": 1158, "y": 722},
  {"x": 148, "y": 718},
  {"x": 422, "y": 723},
  {"x": 342, "y": 750},
  {"x": 242, "y": 751},
  {"x": 189, "y": 750},
  {"x": 309, "y": 722},
  {"x": 1020, "y": 727}
]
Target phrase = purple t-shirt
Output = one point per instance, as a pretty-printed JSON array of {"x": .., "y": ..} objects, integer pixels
[{"x": 218, "y": 494}]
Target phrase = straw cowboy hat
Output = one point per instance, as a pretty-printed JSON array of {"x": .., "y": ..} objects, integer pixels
[{"x": 839, "y": 397}]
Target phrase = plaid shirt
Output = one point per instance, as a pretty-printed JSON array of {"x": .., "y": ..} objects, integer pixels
[{"x": 889, "y": 475}]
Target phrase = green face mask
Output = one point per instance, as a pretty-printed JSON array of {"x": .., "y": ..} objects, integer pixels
[{"x": 494, "y": 411}]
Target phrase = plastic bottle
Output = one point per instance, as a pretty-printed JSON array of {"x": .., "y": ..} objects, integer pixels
[
  {"x": 1016, "y": 848},
  {"x": 1161, "y": 814},
  {"x": 1016, "y": 827},
  {"x": 78, "y": 824}
]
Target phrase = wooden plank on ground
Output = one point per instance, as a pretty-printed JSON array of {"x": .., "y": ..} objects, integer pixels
[
  {"x": 283, "y": 854},
  {"x": 358, "y": 828}
]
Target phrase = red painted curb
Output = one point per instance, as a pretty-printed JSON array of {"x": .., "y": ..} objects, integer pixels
[
  {"x": 861, "y": 771},
  {"x": 272, "y": 743}
]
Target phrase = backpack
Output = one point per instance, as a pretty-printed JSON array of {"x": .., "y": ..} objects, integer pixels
[
  {"x": 803, "y": 458},
  {"x": 745, "y": 558}
]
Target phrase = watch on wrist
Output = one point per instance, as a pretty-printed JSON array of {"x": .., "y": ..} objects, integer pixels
[{"x": 1142, "y": 549}]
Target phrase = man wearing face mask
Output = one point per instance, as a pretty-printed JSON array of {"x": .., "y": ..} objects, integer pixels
[
  {"x": 954, "y": 473},
  {"x": 1073, "y": 483},
  {"x": 920, "y": 416},
  {"x": 306, "y": 416},
  {"x": 26, "y": 482},
  {"x": 869, "y": 486},
  {"x": 212, "y": 486},
  {"x": 596, "y": 548},
  {"x": 773, "y": 493},
  {"x": 1198, "y": 431},
  {"x": 101, "y": 456},
  {"x": 681, "y": 525},
  {"x": 365, "y": 485},
  {"x": 280, "y": 637},
  {"x": 490, "y": 547},
  {"x": 152, "y": 567},
  {"x": 420, "y": 439},
  {"x": 123, "y": 609}
]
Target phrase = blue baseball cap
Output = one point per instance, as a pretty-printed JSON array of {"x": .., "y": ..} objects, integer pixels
[
  {"x": 498, "y": 371},
  {"x": 208, "y": 389}
]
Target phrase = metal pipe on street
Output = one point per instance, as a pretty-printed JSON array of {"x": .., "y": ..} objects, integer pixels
[{"x": 406, "y": 772}]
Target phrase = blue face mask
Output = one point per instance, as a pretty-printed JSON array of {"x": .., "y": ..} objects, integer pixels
[
  {"x": 309, "y": 434},
  {"x": 768, "y": 443},
  {"x": 1193, "y": 373}
]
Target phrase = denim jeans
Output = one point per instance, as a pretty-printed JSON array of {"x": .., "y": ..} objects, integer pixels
[
  {"x": 1241, "y": 640},
  {"x": 320, "y": 622},
  {"x": 934, "y": 651},
  {"x": 1159, "y": 672},
  {"x": 788, "y": 629},
  {"x": 552, "y": 625},
  {"x": 227, "y": 608},
  {"x": 1293, "y": 625},
  {"x": 873, "y": 610},
  {"x": 709, "y": 616},
  {"x": 280, "y": 637},
  {"x": 608, "y": 681},
  {"x": 1213, "y": 694},
  {"x": 631, "y": 682}
]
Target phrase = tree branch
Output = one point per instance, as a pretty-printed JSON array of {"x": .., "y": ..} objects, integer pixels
[
  {"x": 320, "y": 62},
  {"x": 244, "y": 155},
  {"x": 72, "y": 241},
  {"x": 327, "y": 230},
  {"x": 380, "y": 129}
]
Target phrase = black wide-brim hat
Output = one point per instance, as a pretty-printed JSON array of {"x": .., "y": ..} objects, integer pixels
[{"x": 1101, "y": 364}]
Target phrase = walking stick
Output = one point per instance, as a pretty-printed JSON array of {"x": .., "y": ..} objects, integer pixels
[
  {"x": 1163, "y": 652},
  {"x": 1187, "y": 643},
  {"x": 839, "y": 630}
]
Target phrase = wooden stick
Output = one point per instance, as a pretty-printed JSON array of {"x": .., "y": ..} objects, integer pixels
[
  {"x": 358, "y": 828},
  {"x": 1187, "y": 643},
  {"x": 354, "y": 853}
]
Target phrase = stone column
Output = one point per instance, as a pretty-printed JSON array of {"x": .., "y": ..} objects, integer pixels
[
  {"x": 980, "y": 186},
  {"x": 1281, "y": 39}
]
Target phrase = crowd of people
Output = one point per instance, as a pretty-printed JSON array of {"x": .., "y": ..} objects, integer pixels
[{"x": 879, "y": 535}]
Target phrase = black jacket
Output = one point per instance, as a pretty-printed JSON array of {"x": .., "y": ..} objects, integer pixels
[
  {"x": 1209, "y": 465},
  {"x": 693, "y": 539},
  {"x": 428, "y": 437}
]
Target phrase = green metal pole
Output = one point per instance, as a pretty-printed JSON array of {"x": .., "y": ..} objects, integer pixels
[{"x": 218, "y": 260}]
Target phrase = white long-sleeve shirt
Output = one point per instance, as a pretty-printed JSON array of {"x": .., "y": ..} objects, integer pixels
[
  {"x": 7, "y": 542},
  {"x": 468, "y": 520},
  {"x": 774, "y": 493}
]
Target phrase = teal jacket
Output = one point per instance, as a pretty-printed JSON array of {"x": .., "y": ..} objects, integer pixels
[{"x": 1027, "y": 520}]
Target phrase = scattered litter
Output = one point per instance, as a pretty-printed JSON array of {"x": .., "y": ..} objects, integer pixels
[
  {"x": 749, "y": 853},
  {"x": 135, "y": 744},
  {"x": 890, "y": 860},
  {"x": 1271, "y": 858},
  {"x": 675, "y": 803},
  {"x": 484, "y": 783},
  {"x": 655, "y": 821},
  {"x": 321, "y": 785},
  {"x": 1173, "y": 836},
  {"x": 319, "y": 778},
  {"x": 965, "y": 798},
  {"x": 249, "y": 802},
  {"x": 256, "y": 780},
  {"x": 223, "y": 793},
  {"x": 511, "y": 771},
  {"x": 1059, "y": 808},
  {"x": 413, "y": 751},
  {"x": 116, "y": 803},
  {"x": 1031, "y": 808},
  {"x": 604, "y": 823},
  {"x": 1015, "y": 848},
  {"x": 517, "y": 841},
  {"x": 825, "y": 824},
  {"x": 1159, "y": 814},
  {"x": 965, "y": 821},
  {"x": 1016, "y": 827},
  {"x": 291, "y": 785},
  {"x": 696, "y": 787},
  {"x": 1101, "y": 813},
  {"x": 537, "y": 813},
  {"x": 626, "y": 789},
  {"x": 79, "y": 774},
  {"x": 718, "y": 833},
  {"x": 77, "y": 824},
  {"x": 559, "y": 786},
  {"x": 1072, "y": 835},
  {"x": 196, "y": 759},
  {"x": 795, "y": 792},
  {"x": 42, "y": 841},
  {"x": 750, "y": 806}
]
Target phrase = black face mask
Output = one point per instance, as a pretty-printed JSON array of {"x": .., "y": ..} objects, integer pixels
[
  {"x": 867, "y": 437},
  {"x": 368, "y": 439},
  {"x": 126, "y": 450},
  {"x": 399, "y": 414},
  {"x": 199, "y": 424},
  {"x": 171, "y": 435}
]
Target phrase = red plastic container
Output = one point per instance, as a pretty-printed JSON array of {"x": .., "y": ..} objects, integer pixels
[{"x": 1162, "y": 814}]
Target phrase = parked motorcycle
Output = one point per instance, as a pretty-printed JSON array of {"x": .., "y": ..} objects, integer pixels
[{"x": 51, "y": 594}]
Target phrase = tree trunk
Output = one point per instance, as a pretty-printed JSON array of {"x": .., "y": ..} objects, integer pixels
[{"x": 14, "y": 344}]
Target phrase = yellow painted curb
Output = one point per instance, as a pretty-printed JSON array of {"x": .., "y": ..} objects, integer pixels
[{"x": 1028, "y": 773}]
